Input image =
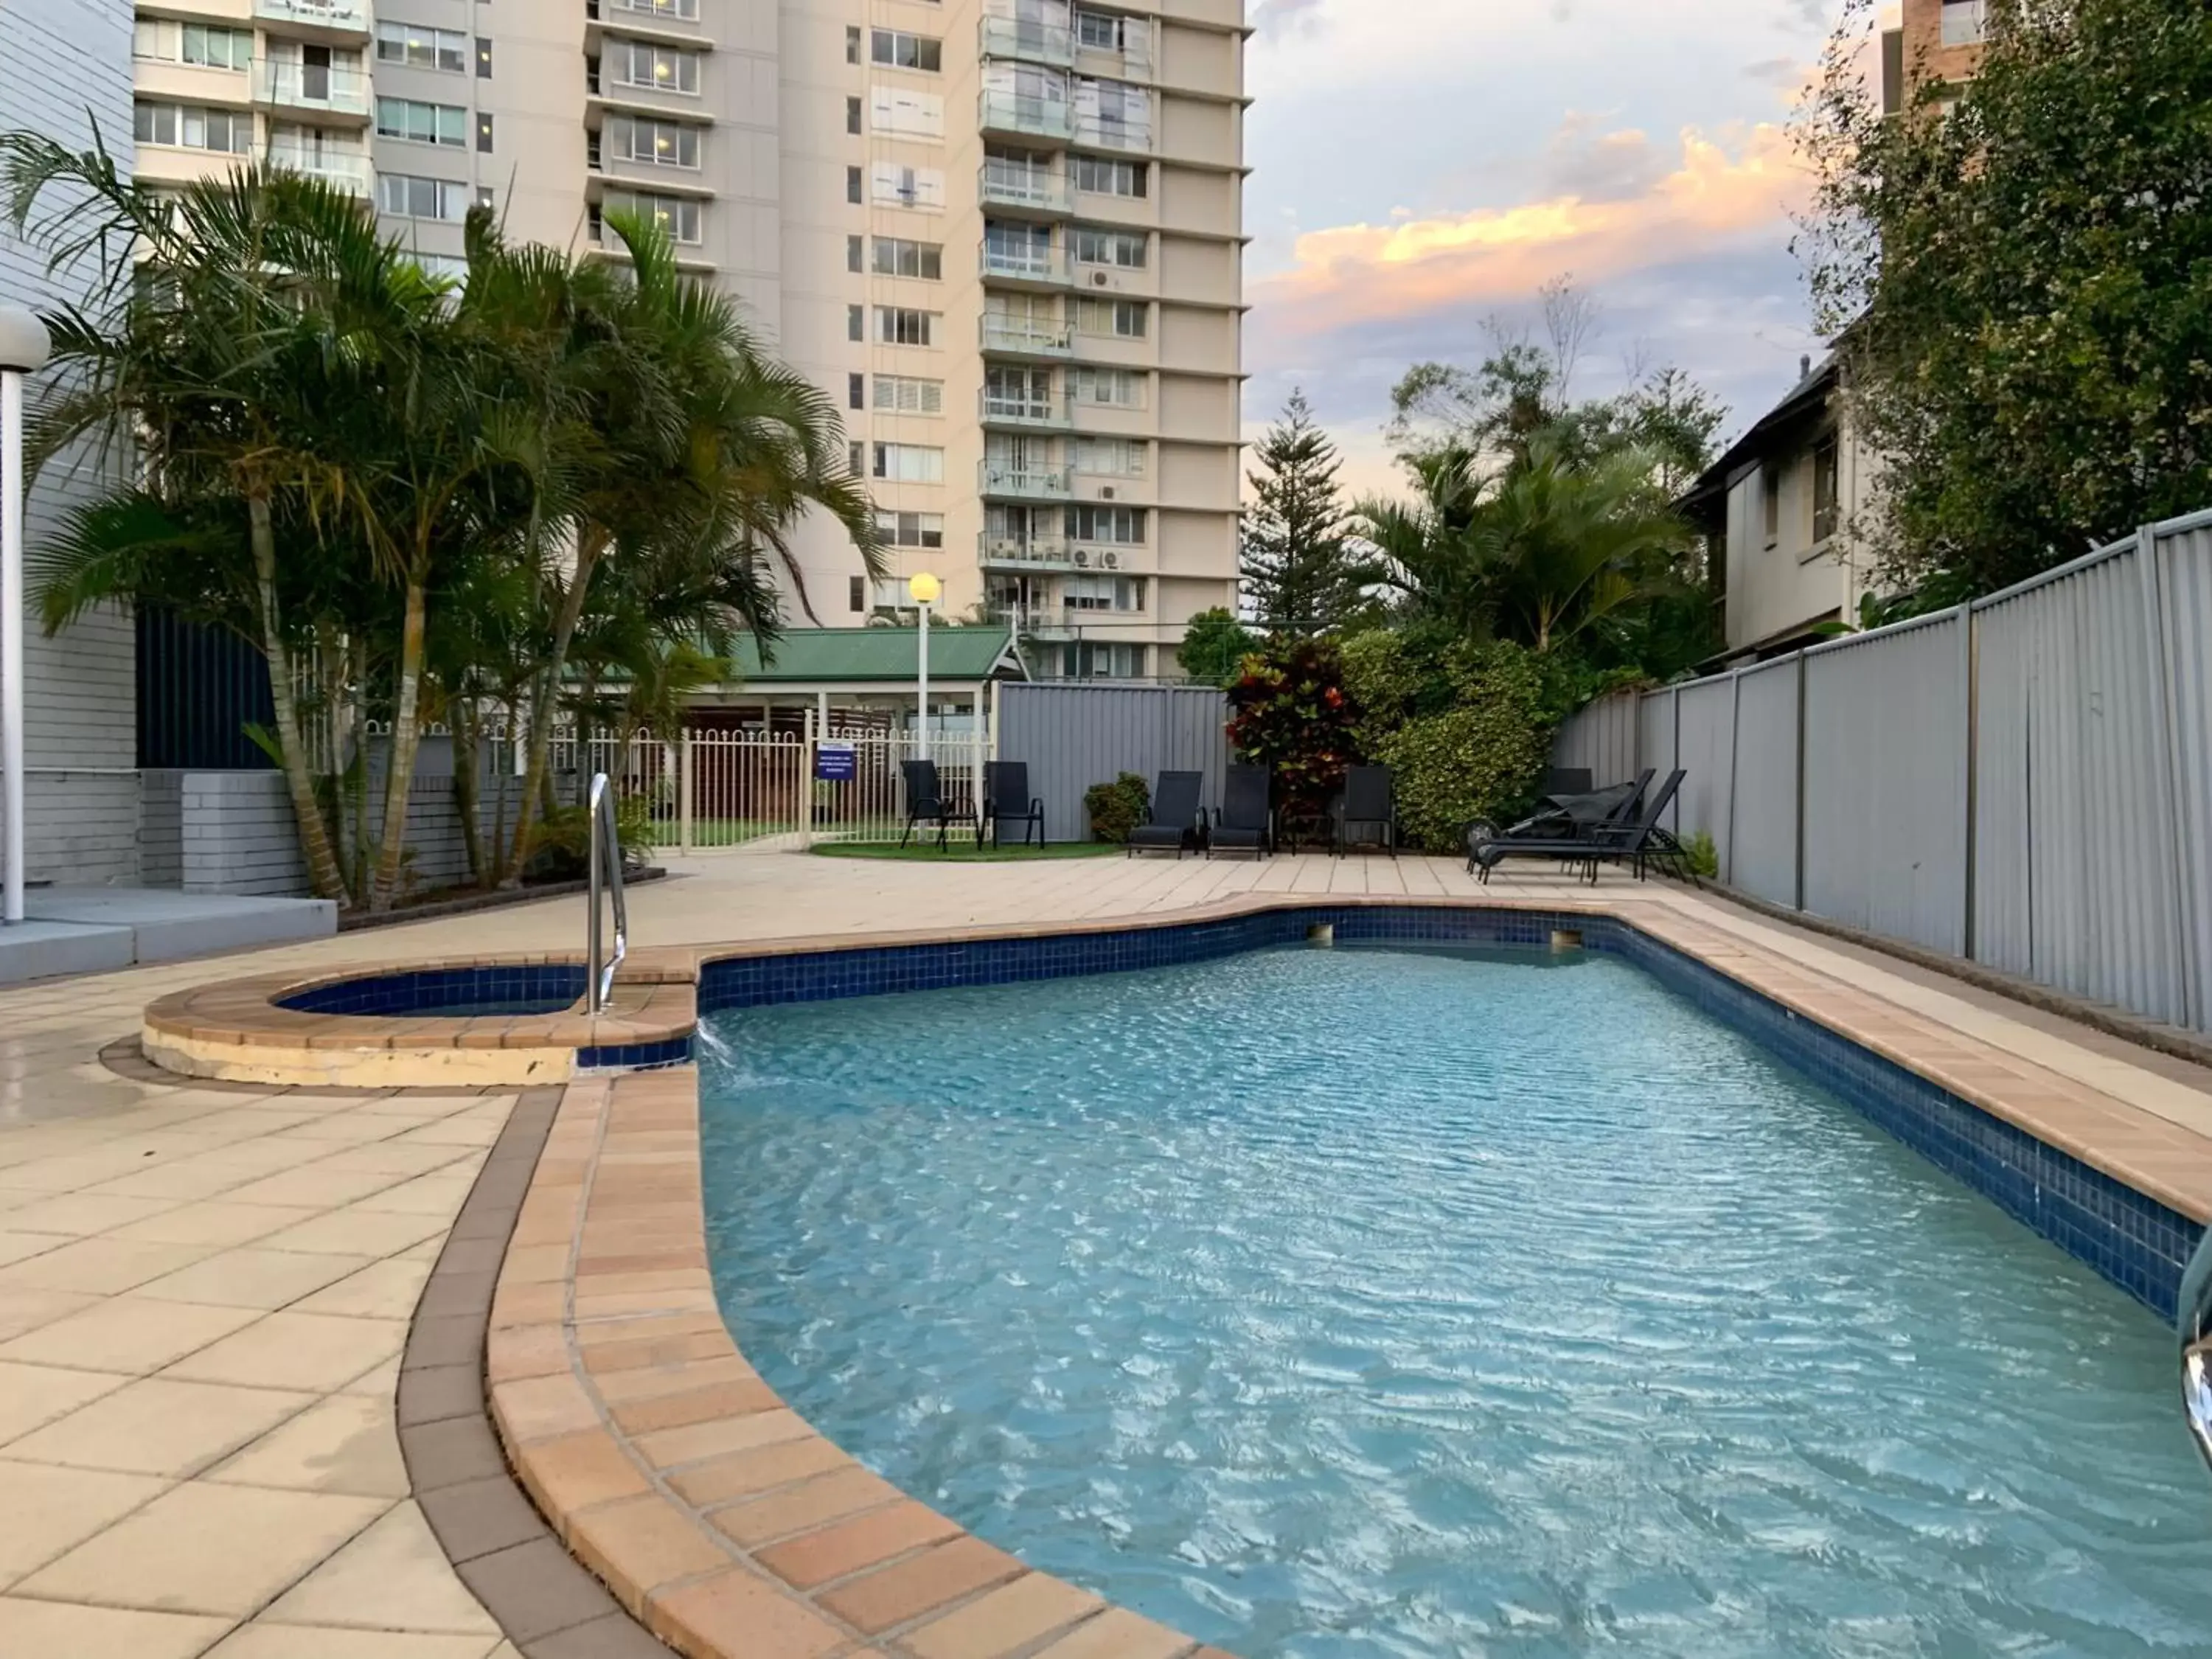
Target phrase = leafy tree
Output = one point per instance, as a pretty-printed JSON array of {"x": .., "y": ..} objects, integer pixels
[
  {"x": 2021, "y": 272},
  {"x": 1214, "y": 647},
  {"x": 1299, "y": 570},
  {"x": 1290, "y": 712}
]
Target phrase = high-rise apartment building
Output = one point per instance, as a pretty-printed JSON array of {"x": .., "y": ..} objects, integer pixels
[
  {"x": 1005, "y": 235},
  {"x": 1936, "y": 41}
]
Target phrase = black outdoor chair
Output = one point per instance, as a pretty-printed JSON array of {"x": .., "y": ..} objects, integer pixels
[
  {"x": 1368, "y": 803},
  {"x": 1558, "y": 823},
  {"x": 1176, "y": 815},
  {"x": 1638, "y": 840},
  {"x": 1569, "y": 780},
  {"x": 1006, "y": 800},
  {"x": 928, "y": 803},
  {"x": 1243, "y": 823}
]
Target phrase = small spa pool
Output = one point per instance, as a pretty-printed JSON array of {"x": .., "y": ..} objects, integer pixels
[
  {"x": 449, "y": 993},
  {"x": 1417, "y": 1302}
]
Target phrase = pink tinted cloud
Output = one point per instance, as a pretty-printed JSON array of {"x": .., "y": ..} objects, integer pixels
[{"x": 1687, "y": 207}]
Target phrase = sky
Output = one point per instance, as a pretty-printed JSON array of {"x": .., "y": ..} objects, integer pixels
[{"x": 1421, "y": 167}]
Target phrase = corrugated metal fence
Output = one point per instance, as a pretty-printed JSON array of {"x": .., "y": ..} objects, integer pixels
[
  {"x": 2026, "y": 781},
  {"x": 1074, "y": 736}
]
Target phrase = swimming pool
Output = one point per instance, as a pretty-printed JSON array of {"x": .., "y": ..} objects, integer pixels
[{"x": 1438, "y": 1303}]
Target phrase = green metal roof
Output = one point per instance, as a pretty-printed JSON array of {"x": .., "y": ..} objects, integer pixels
[{"x": 810, "y": 655}]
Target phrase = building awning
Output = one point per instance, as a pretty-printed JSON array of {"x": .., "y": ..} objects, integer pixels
[{"x": 806, "y": 660}]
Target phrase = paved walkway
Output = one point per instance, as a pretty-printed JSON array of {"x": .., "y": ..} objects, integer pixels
[{"x": 204, "y": 1293}]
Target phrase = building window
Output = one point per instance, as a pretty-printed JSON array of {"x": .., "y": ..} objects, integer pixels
[
  {"x": 905, "y": 325},
  {"x": 426, "y": 124},
  {"x": 1087, "y": 661},
  {"x": 655, "y": 144},
  {"x": 905, "y": 186},
  {"x": 1124, "y": 526},
  {"x": 897, "y": 49},
  {"x": 686, "y": 10},
  {"x": 1100, "y": 177},
  {"x": 851, "y": 45},
  {"x": 1107, "y": 388},
  {"x": 909, "y": 394},
  {"x": 1105, "y": 31},
  {"x": 855, "y": 451},
  {"x": 204, "y": 45},
  {"x": 924, "y": 530},
  {"x": 853, "y": 184},
  {"x": 1119, "y": 248},
  {"x": 856, "y": 326},
  {"x": 1114, "y": 113},
  {"x": 484, "y": 134},
  {"x": 1111, "y": 457},
  {"x": 422, "y": 48},
  {"x": 911, "y": 114},
  {"x": 1827, "y": 504},
  {"x": 897, "y": 257},
  {"x": 1122, "y": 319},
  {"x": 855, "y": 253},
  {"x": 857, "y": 594},
  {"x": 483, "y": 58},
  {"x": 856, "y": 392},
  {"x": 188, "y": 126},
  {"x": 407, "y": 197},
  {"x": 853, "y": 115},
  {"x": 908, "y": 464},
  {"x": 662, "y": 69},
  {"x": 1102, "y": 593},
  {"x": 1770, "y": 491},
  {"x": 678, "y": 217}
]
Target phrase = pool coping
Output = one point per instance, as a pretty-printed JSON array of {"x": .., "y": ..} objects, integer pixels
[{"x": 725, "y": 1524}]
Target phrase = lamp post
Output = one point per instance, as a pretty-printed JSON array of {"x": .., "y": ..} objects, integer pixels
[
  {"x": 23, "y": 349},
  {"x": 924, "y": 588}
]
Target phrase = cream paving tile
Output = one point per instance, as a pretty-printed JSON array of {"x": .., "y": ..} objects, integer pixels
[
  {"x": 292, "y": 1350},
  {"x": 97, "y": 1267},
  {"x": 134, "y": 1334},
  {"x": 334, "y": 1130},
  {"x": 393, "y": 1576},
  {"x": 257, "y": 1278},
  {"x": 192, "y": 1178},
  {"x": 201, "y": 1547},
  {"x": 81, "y": 1214},
  {"x": 21, "y": 1246},
  {"x": 263, "y": 1639},
  {"x": 346, "y": 1443},
  {"x": 313, "y": 1186},
  {"x": 394, "y": 1158},
  {"x": 465, "y": 1131},
  {"x": 31, "y": 1395},
  {"x": 353, "y": 1231},
  {"x": 158, "y": 1426},
  {"x": 441, "y": 1194},
  {"x": 48, "y": 1510},
  {"x": 218, "y": 1223},
  {"x": 26, "y": 1311},
  {"x": 386, "y": 1289},
  {"x": 381, "y": 1382},
  {"x": 62, "y": 1630}
]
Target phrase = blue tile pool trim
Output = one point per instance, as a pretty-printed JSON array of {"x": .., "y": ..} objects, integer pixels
[
  {"x": 635, "y": 1056},
  {"x": 2131, "y": 1239},
  {"x": 555, "y": 984}
]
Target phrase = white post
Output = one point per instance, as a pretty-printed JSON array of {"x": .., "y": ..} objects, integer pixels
[
  {"x": 921, "y": 753},
  {"x": 11, "y": 638},
  {"x": 686, "y": 772}
]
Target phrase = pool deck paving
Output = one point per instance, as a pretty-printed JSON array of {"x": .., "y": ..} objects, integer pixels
[{"x": 206, "y": 1290}]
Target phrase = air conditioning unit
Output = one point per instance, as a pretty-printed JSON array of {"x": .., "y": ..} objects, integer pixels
[
  {"x": 1102, "y": 279},
  {"x": 1106, "y": 492},
  {"x": 1082, "y": 560},
  {"x": 1111, "y": 561}
]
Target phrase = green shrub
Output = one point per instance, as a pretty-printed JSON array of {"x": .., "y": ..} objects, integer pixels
[
  {"x": 1482, "y": 756},
  {"x": 1291, "y": 712},
  {"x": 1214, "y": 647},
  {"x": 1705, "y": 858},
  {"x": 1118, "y": 807}
]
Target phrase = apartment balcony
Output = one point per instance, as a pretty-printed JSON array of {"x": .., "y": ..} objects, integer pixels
[
  {"x": 1008, "y": 114},
  {"x": 1025, "y": 483},
  {"x": 1026, "y": 414},
  {"x": 346, "y": 172},
  {"x": 1024, "y": 553},
  {"x": 1131, "y": 61},
  {"x": 331, "y": 93},
  {"x": 324, "y": 19},
  {"x": 1018, "y": 336},
  {"x": 1061, "y": 623},
  {"x": 1026, "y": 267},
  {"x": 1024, "y": 191},
  {"x": 1051, "y": 44},
  {"x": 1114, "y": 135}
]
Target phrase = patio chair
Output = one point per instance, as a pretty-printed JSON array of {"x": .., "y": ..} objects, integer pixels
[
  {"x": 1556, "y": 824},
  {"x": 1176, "y": 815},
  {"x": 1006, "y": 800},
  {"x": 1568, "y": 781},
  {"x": 928, "y": 803},
  {"x": 1243, "y": 823},
  {"x": 1640, "y": 840},
  {"x": 1368, "y": 803}
]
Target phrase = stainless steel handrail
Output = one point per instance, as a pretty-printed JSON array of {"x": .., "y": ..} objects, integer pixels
[
  {"x": 605, "y": 871},
  {"x": 2193, "y": 1319}
]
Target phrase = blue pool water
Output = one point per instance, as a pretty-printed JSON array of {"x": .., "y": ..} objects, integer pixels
[{"x": 1425, "y": 1302}]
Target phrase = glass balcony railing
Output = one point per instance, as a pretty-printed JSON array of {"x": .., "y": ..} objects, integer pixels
[
  {"x": 1113, "y": 135},
  {"x": 349, "y": 16},
  {"x": 1028, "y": 483},
  {"x": 1032, "y": 188},
  {"x": 305, "y": 87},
  {"x": 1028, "y": 42},
  {"x": 1029, "y": 551},
  {"x": 1031, "y": 118},
  {"x": 1021, "y": 336},
  {"x": 1003, "y": 410},
  {"x": 347, "y": 172},
  {"x": 1025, "y": 264}
]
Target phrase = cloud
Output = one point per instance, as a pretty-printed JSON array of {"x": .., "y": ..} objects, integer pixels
[
  {"x": 1611, "y": 208},
  {"x": 1278, "y": 17}
]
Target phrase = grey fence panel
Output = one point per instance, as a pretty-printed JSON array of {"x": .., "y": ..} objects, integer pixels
[
  {"x": 1705, "y": 751},
  {"x": 1762, "y": 847},
  {"x": 1885, "y": 783},
  {"x": 1074, "y": 736},
  {"x": 2074, "y": 796},
  {"x": 1655, "y": 741},
  {"x": 1601, "y": 737},
  {"x": 2184, "y": 572}
]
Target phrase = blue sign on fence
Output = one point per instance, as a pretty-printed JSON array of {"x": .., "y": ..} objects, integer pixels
[{"x": 836, "y": 763}]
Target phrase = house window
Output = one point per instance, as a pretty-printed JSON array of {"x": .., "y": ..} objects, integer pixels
[
  {"x": 1770, "y": 491},
  {"x": 853, "y": 115},
  {"x": 655, "y": 144},
  {"x": 1109, "y": 247},
  {"x": 1102, "y": 593},
  {"x": 856, "y": 323},
  {"x": 857, "y": 594},
  {"x": 662, "y": 69},
  {"x": 688, "y": 10},
  {"x": 678, "y": 215},
  {"x": 426, "y": 124},
  {"x": 897, "y": 257},
  {"x": 900, "y": 49},
  {"x": 905, "y": 325},
  {"x": 911, "y": 528},
  {"x": 1123, "y": 319},
  {"x": 191, "y": 127},
  {"x": 851, "y": 45},
  {"x": 204, "y": 45},
  {"x": 422, "y": 48},
  {"x": 1087, "y": 661},
  {"x": 1826, "y": 496},
  {"x": 908, "y": 464},
  {"x": 1100, "y": 177},
  {"x": 1107, "y": 388},
  {"x": 407, "y": 197},
  {"x": 909, "y": 394},
  {"x": 856, "y": 390},
  {"x": 1111, "y": 457},
  {"x": 1123, "y": 525}
]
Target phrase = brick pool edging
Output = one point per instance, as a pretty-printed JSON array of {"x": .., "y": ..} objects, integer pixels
[{"x": 721, "y": 1520}]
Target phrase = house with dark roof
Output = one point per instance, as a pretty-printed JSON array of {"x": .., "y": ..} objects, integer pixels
[{"x": 859, "y": 677}]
